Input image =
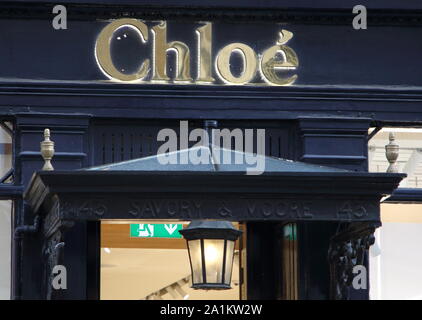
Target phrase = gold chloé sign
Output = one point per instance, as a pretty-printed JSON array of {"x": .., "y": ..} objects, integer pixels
[{"x": 269, "y": 64}]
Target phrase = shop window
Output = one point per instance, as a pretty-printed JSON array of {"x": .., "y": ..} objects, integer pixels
[
  {"x": 394, "y": 272},
  {"x": 6, "y": 207},
  {"x": 409, "y": 160},
  {"x": 6, "y": 154},
  {"x": 396, "y": 258},
  {"x": 289, "y": 262}
]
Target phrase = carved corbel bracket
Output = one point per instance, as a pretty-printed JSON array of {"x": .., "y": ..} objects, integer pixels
[
  {"x": 348, "y": 248},
  {"x": 54, "y": 220},
  {"x": 54, "y": 230}
]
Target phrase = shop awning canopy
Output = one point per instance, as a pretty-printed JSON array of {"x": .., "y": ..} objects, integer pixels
[
  {"x": 145, "y": 188},
  {"x": 219, "y": 160}
]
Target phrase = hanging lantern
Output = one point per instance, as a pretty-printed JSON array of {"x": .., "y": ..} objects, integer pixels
[{"x": 211, "y": 251}]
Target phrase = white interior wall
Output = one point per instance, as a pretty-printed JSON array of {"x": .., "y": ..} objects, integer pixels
[
  {"x": 5, "y": 249},
  {"x": 133, "y": 274},
  {"x": 396, "y": 257}
]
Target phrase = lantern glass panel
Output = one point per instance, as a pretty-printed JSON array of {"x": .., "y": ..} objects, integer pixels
[
  {"x": 214, "y": 253},
  {"x": 229, "y": 262},
  {"x": 196, "y": 260}
]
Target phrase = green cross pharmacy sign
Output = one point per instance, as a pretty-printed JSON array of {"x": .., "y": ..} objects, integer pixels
[{"x": 155, "y": 230}]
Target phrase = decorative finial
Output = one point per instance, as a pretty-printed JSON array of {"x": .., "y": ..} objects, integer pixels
[
  {"x": 47, "y": 151},
  {"x": 392, "y": 153}
]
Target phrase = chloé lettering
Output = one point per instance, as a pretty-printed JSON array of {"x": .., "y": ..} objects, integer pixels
[{"x": 265, "y": 67}]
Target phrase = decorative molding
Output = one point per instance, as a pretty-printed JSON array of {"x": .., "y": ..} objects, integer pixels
[
  {"x": 8, "y": 191},
  {"x": 125, "y": 101},
  {"x": 244, "y": 208},
  {"x": 69, "y": 89},
  {"x": 403, "y": 195},
  {"x": 64, "y": 155},
  {"x": 13, "y": 10},
  {"x": 54, "y": 222},
  {"x": 102, "y": 184}
]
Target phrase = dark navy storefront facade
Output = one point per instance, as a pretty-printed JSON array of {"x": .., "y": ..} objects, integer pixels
[{"x": 346, "y": 82}]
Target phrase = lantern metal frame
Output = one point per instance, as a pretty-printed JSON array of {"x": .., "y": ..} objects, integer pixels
[{"x": 211, "y": 230}]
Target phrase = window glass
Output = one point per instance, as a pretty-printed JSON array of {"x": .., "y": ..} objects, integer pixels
[
  {"x": 214, "y": 252},
  {"x": 229, "y": 262},
  {"x": 6, "y": 161},
  {"x": 409, "y": 160},
  {"x": 195, "y": 254}
]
